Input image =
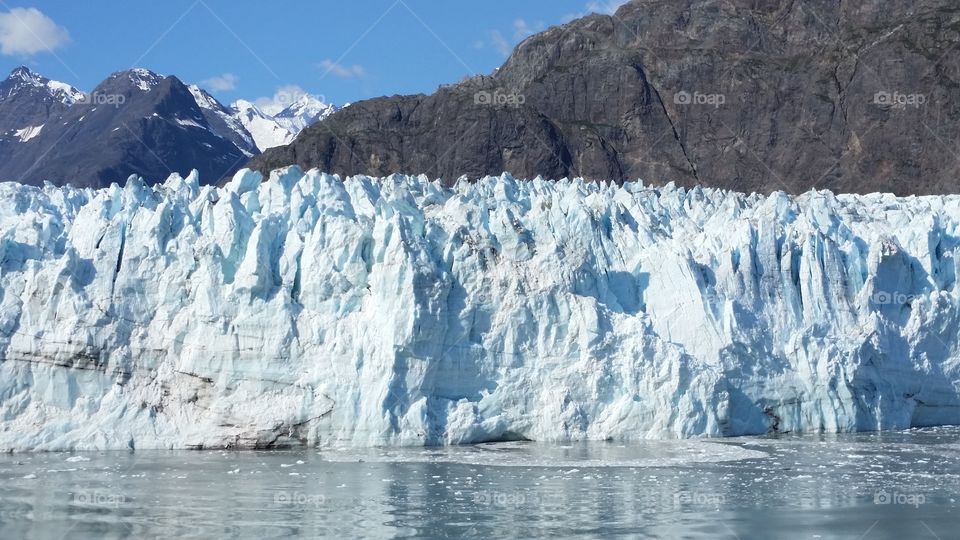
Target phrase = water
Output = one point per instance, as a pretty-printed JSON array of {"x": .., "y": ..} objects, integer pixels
[{"x": 889, "y": 485}]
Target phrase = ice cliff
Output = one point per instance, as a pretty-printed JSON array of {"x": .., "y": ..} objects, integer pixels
[{"x": 395, "y": 311}]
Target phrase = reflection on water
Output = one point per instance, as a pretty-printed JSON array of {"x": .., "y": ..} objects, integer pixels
[{"x": 891, "y": 485}]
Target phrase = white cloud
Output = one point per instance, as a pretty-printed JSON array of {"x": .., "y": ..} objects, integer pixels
[
  {"x": 340, "y": 70},
  {"x": 283, "y": 98},
  {"x": 605, "y": 7},
  {"x": 222, "y": 83},
  {"x": 27, "y": 31},
  {"x": 500, "y": 43},
  {"x": 521, "y": 29}
]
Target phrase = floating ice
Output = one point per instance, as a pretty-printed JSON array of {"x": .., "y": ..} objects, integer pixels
[{"x": 641, "y": 454}]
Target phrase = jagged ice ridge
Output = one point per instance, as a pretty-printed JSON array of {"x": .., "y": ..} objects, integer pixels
[{"x": 308, "y": 310}]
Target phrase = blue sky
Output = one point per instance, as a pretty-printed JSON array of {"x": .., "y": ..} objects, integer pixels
[{"x": 342, "y": 50}]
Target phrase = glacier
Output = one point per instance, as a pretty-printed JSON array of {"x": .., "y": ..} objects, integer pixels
[{"x": 303, "y": 309}]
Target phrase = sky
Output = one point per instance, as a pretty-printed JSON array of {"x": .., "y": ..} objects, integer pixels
[{"x": 342, "y": 51}]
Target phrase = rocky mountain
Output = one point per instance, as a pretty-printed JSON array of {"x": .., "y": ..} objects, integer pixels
[
  {"x": 224, "y": 120},
  {"x": 134, "y": 122},
  {"x": 756, "y": 96},
  {"x": 28, "y": 100}
]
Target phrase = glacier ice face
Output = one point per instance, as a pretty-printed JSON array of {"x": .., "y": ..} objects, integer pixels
[{"x": 395, "y": 311}]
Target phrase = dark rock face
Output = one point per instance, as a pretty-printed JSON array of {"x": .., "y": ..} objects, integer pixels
[
  {"x": 221, "y": 121},
  {"x": 754, "y": 96},
  {"x": 135, "y": 122},
  {"x": 28, "y": 100}
]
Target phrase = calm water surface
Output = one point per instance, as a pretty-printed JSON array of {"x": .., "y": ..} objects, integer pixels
[{"x": 890, "y": 485}]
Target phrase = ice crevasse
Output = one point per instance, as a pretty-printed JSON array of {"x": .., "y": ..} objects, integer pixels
[{"x": 306, "y": 309}]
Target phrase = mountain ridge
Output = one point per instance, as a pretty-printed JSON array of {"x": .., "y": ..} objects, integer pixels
[
  {"x": 135, "y": 122},
  {"x": 755, "y": 97}
]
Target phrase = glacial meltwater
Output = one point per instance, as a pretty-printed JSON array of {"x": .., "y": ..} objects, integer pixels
[{"x": 870, "y": 485}]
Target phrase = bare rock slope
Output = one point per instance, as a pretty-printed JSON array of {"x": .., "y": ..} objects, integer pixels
[{"x": 754, "y": 96}]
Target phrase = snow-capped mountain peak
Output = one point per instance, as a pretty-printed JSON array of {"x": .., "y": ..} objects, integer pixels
[
  {"x": 23, "y": 77},
  {"x": 27, "y": 101},
  {"x": 242, "y": 105},
  {"x": 187, "y": 124},
  {"x": 275, "y": 125},
  {"x": 26, "y": 75},
  {"x": 266, "y": 131},
  {"x": 142, "y": 79},
  {"x": 308, "y": 109}
]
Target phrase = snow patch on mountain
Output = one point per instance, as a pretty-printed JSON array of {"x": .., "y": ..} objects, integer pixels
[
  {"x": 208, "y": 103},
  {"x": 266, "y": 131},
  {"x": 60, "y": 91},
  {"x": 395, "y": 311},
  {"x": 303, "y": 112},
  {"x": 144, "y": 79},
  {"x": 204, "y": 100},
  {"x": 28, "y": 132},
  {"x": 270, "y": 130},
  {"x": 188, "y": 122},
  {"x": 66, "y": 93}
]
